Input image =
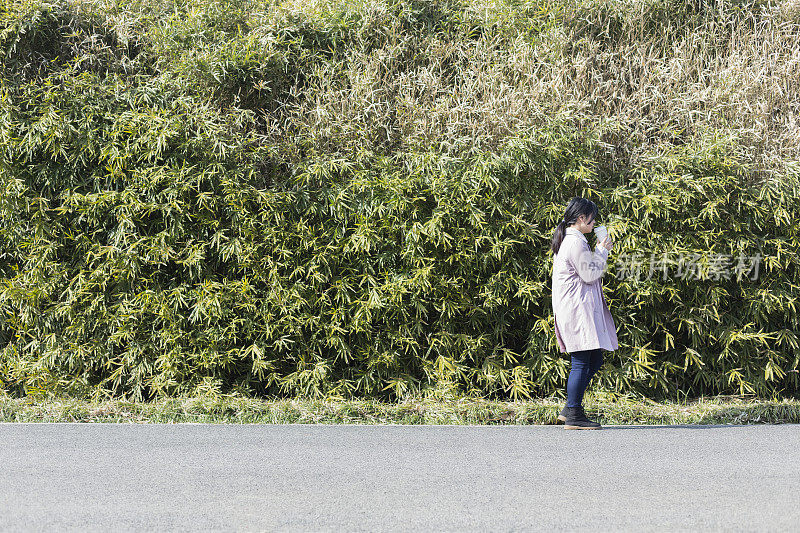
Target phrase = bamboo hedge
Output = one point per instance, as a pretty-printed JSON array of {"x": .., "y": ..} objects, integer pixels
[{"x": 327, "y": 200}]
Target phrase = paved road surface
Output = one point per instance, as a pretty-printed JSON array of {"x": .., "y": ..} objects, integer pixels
[{"x": 110, "y": 477}]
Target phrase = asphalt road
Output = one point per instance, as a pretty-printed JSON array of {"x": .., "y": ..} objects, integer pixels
[{"x": 193, "y": 477}]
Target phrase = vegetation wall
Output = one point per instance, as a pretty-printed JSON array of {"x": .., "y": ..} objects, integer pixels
[{"x": 356, "y": 198}]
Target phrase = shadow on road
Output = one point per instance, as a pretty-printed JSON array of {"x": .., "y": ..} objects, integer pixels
[{"x": 677, "y": 426}]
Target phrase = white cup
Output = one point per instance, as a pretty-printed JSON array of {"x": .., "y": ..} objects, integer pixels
[{"x": 601, "y": 233}]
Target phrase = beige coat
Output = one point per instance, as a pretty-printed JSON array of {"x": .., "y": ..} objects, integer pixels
[{"x": 582, "y": 318}]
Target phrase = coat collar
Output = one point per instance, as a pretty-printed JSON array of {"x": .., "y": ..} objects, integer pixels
[{"x": 578, "y": 233}]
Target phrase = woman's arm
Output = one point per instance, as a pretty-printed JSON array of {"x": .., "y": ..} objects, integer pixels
[{"x": 590, "y": 266}]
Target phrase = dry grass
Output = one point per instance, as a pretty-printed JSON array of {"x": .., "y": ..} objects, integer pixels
[
  {"x": 236, "y": 410},
  {"x": 657, "y": 77}
]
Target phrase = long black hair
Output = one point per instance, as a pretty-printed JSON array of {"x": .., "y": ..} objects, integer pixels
[{"x": 577, "y": 207}]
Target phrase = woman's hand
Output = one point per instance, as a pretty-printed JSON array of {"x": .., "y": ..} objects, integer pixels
[{"x": 607, "y": 242}]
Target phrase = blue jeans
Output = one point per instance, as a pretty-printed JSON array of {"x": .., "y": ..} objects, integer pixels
[{"x": 584, "y": 366}]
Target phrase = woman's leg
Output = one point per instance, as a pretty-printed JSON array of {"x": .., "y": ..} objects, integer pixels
[
  {"x": 578, "y": 379},
  {"x": 596, "y": 362}
]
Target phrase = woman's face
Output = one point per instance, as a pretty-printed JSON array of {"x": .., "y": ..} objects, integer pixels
[{"x": 583, "y": 226}]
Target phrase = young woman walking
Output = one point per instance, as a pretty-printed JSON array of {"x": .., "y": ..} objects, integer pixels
[{"x": 583, "y": 321}]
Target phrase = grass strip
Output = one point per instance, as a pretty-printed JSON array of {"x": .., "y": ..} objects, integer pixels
[{"x": 608, "y": 409}]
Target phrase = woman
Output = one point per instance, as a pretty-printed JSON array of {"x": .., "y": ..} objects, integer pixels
[{"x": 583, "y": 322}]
